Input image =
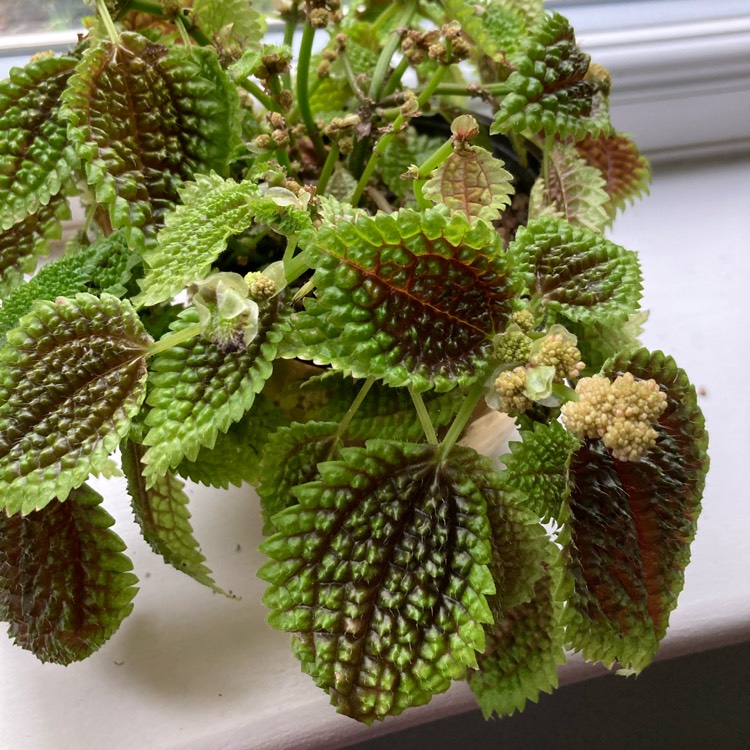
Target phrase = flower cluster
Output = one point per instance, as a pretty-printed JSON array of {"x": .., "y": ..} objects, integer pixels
[
  {"x": 558, "y": 349},
  {"x": 621, "y": 412}
]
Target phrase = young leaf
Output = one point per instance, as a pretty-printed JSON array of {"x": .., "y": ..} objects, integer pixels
[
  {"x": 553, "y": 88},
  {"x": 195, "y": 235},
  {"x": 291, "y": 458},
  {"x": 34, "y": 153},
  {"x": 570, "y": 189},
  {"x": 577, "y": 272},
  {"x": 382, "y": 572},
  {"x": 65, "y": 584},
  {"x": 72, "y": 376},
  {"x": 163, "y": 515},
  {"x": 229, "y": 21},
  {"x": 103, "y": 266},
  {"x": 625, "y": 170},
  {"x": 198, "y": 389},
  {"x": 143, "y": 118},
  {"x": 29, "y": 239},
  {"x": 536, "y": 469},
  {"x": 413, "y": 298},
  {"x": 236, "y": 455},
  {"x": 523, "y": 652},
  {"x": 631, "y": 524},
  {"x": 473, "y": 181},
  {"x": 407, "y": 148}
]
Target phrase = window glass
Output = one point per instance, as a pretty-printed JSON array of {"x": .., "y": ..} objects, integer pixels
[{"x": 34, "y": 16}]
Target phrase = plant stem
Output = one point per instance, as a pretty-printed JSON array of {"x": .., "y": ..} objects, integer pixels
[
  {"x": 395, "y": 78},
  {"x": 385, "y": 140},
  {"x": 260, "y": 95},
  {"x": 424, "y": 417},
  {"x": 295, "y": 267},
  {"x": 182, "y": 28},
  {"x": 289, "y": 28},
  {"x": 155, "y": 9},
  {"x": 174, "y": 339},
  {"x": 291, "y": 246},
  {"x": 463, "y": 416},
  {"x": 461, "y": 89},
  {"x": 431, "y": 162},
  {"x": 344, "y": 425},
  {"x": 109, "y": 24},
  {"x": 303, "y": 94},
  {"x": 327, "y": 171},
  {"x": 386, "y": 54}
]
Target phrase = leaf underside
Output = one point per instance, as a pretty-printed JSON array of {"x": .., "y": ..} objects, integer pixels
[
  {"x": 382, "y": 572},
  {"x": 72, "y": 375},
  {"x": 163, "y": 515},
  {"x": 198, "y": 389},
  {"x": 65, "y": 584},
  {"x": 34, "y": 152},
  {"x": 631, "y": 525},
  {"x": 577, "y": 272},
  {"x": 143, "y": 118},
  {"x": 411, "y": 298}
]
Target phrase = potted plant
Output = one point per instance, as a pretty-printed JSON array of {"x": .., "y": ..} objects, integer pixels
[{"x": 312, "y": 273}]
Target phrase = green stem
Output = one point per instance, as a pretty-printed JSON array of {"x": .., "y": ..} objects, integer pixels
[
  {"x": 174, "y": 339},
  {"x": 461, "y": 419},
  {"x": 289, "y": 28},
  {"x": 327, "y": 171},
  {"x": 291, "y": 246},
  {"x": 395, "y": 78},
  {"x": 461, "y": 89},
  {"x": 303, "y": 93},
  {"x": 431, "y": 162},
  {"x": 155, "y": 9},
  {"x": 386, "y": 54},
  {"x": 109, "y": 24},
  {"x": 182, "y": 28},
  {"x": 424, "y": 417},
  {"x": 385, "y": 140},
  {"x": 295, "y": 267},
  {"x": 344, "y": 425},
  {"x": 260, "y": 95},
  {"x": 384, "y": 17}
]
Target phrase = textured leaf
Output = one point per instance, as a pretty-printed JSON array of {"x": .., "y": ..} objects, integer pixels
[
  {"x": 195, "y": 235},
  {"x": 473, "y": 181},
  {"x": 65, "y": 584},
  {"x": 34, "y": 151},
  {"x": 23, "y": 243},
  {"x": 552, "y": 87},
  {"x": 570, "y": 189},
  {"x": 631, "y": 524},
  {"x": 103, "y": 266},
  {"x": 522, "y": 654},
  {"x": 536, "y": 469},
  {"x": 407, "y": 148},
  {"x": 625, "y": 170},
  {"x": 72, "y": 376},
  {"x": 231, "y": 21},
  {"x": 236, "y": 455},
  {"x": 474, "y": 24},
  {"x": 143, "y": 118},
  {"x": 198, "y": 389},
  {"x": 163, "y": 515},
  {"x": 382, "y": 571},
  {"x": 577, "y": 272},
  {"x": 290, "y": 459},
  {"x": 413, "y": 298}
]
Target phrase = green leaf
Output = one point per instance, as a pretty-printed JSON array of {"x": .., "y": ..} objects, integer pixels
[
  {"x": 143, "y": 118},
  {"x": 230, "y": 21},
  {"x": 570, "y": 189},
  {"x": 198, "y": 389},
  {"x": 291, "y": 458},
  {"x": 626, "y": 172},
  {"x": 23, "y": 243},
  {"x": 536, "y": 469},
  {"x": 552, "y": 88},
  {"x": 103, "y": 266},
  {"x": 236, "y": 455},
  {"x": 577, "y": 272},
  {"x": 413, "y": 298},
  {"x": 34, "y": 153},
  {"x": 382, "y": 572},
  {"x": 163, "y": 515},
  {"x": 407, "y": 147},
  {"x": 631, "y": 524},
  {"x": 72, "y": 376},
  {"x": 195, "y": 235},
  {"x": 523, "y": 652},
  {"x": 65, "y": 584},
  {"x": 473, "y": 181}
]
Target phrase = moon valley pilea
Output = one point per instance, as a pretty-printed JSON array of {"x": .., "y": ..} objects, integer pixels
[{"x": 310, "y": 274}]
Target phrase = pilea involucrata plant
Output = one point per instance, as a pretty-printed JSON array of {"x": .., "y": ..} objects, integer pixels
[{"x": 311, "y": 273}]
